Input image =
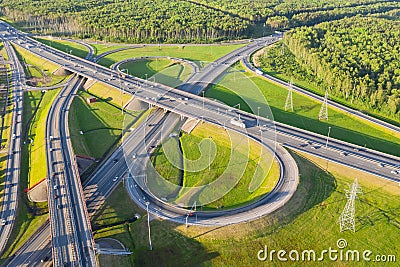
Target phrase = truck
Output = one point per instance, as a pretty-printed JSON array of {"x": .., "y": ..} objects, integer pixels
[{"x": 238, "y": 123}]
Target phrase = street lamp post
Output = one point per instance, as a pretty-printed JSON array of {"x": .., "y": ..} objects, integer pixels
[
  {"x": 327, "y": 138},
  {"x": 209, "y": 155},
  {"x": 258, "y": 116},
  {"x": 148, "y": 224},
  {"x": 203, "y": 103}
]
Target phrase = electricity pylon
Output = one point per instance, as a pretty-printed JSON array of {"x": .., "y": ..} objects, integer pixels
[
  {"x": 346, "y": 219},
  {"x": 323, "y": 112},
  {"x": 289, "y": 98}
]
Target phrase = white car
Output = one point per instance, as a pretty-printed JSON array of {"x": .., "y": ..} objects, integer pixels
[
  {"x": 3, "y": 222},
  {"x": 115, "y": 179}
]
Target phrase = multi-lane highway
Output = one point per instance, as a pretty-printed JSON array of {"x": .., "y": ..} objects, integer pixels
[
  {"x": 72, "y": 240},
  {"x": 9, "y": 203}
]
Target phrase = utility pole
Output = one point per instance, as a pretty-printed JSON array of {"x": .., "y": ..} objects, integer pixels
[
  {"x": 327, "y": 138},
  {"x": 209, "y": 157},
  {"x": 346, "y": 219},
  {"x": 289, "y": 98},
  {"x": 323, "y": 112},
  {"x": 148, "y": 224}
]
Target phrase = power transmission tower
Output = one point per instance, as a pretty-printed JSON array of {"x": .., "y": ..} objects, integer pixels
[
  {"x": 289, "y": 98},
  {"x": 346, "y": 219},
  {"x": 323, "y": 112}
]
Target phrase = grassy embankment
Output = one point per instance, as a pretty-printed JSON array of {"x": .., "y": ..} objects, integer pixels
[
  {"x": 39, "y": 68},
  {"x": 101, "y": 122},
  {"x": 307, "y": 221},
  {"x": 344, "y": 126},
  {"x": 75, "y": 49}
]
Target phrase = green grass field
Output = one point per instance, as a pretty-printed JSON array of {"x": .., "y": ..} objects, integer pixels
[
  {"x": 101, "y": 123},
  {"x": 344, "y": 127},
  {"x": 66, "y": 46},
  {"x": 231, "y": 156},
  {"x": 201, "y": 55},
  {"x": 164, "y": 71},
  {"x": 36, "y": 110},
  {"x": 36, "y": 65},
  {"x": 307, "y": 221}
]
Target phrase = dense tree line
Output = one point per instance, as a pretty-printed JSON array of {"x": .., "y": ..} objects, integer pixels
[
  {"x": 356, "y": 59},
  {"x": 180, "y": 20}
]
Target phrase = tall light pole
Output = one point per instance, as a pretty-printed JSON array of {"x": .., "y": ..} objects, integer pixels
[
  {"x": 209, "y": 155},
  {"x": 238, "y": 108},
  {"x": 258, "y": 116},
  {"x": 146, "y": 76},
  {"x": 148, "y": 224},
  {"x": 203, "y": 103},
  {"x": 327, "y": 138}
]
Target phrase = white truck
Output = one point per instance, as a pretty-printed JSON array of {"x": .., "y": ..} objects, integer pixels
[{"x": 238, "y": 123}]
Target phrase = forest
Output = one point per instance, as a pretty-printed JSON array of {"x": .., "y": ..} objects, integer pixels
[
  {"x": 356, "y": 59},
  {"x": 181, "y": 21}
]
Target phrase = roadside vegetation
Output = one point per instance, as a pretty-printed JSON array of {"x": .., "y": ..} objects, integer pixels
[
  {"x": 312, "y": 212},
  {"x": 39, "y": 71},
  {"x": 66, "y": 46},
  {"x": 231, "y": 156},
  {"x": 305, "y": 115},
  {"x": 355, "y": 59},
  {"x": 181, "y": 21}
]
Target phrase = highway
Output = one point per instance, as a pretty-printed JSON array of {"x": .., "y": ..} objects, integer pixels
[
  {"x": 71, "y": 235},
  {"x": 9, "y": 202},
  {"x": 188, "y": 105}
]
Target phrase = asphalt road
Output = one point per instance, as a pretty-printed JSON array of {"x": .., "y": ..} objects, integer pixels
[
  {"x": 9, "y": 203},
  {"x": 71, "y": 235}
]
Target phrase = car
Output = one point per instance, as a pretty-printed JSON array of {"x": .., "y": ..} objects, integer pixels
[
  {"x": 3, "y": 222},
  {"x": 343, "y": 153},
  {"x": 55, "y": 187},
  {"x": 315, "y": 147},
  {"x": 395, "y": 172},
  {"x": 59, "y": 206},
  {"x": 115, "y": 160},
  {"x": 115, "y": 179},
  {"x": 380, "y": 164},
  {"x": 55, "y": 196}
]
